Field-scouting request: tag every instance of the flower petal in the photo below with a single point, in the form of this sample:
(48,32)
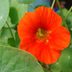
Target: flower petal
(60,38)
(27,42)
(33,48)
(49,18)
(27,25)
(41,51)
(50,56)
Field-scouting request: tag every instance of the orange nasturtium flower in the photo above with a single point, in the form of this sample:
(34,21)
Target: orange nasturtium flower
(42,35)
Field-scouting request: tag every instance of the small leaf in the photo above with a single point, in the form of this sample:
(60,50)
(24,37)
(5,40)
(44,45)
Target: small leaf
(11,42)
(10,24)
(14,60)
(5,34)
(17,11)
(14,42)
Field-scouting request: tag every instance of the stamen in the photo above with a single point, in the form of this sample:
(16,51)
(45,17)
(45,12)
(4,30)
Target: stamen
(41,33)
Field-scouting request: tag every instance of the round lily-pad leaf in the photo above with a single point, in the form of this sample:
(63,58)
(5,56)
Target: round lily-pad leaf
(14,60)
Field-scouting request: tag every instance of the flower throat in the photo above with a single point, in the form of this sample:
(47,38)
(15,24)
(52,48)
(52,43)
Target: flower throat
(41,33)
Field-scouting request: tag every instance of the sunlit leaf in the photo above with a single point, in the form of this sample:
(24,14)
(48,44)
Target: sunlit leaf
(4,11)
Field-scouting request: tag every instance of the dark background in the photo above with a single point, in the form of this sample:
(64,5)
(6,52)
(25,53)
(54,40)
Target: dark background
(68,3)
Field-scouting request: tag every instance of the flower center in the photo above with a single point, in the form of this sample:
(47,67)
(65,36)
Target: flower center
(41,33)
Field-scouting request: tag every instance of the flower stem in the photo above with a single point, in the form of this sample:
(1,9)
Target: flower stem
(68,13)
(46,67)
(53,4)
(57,1)
(10,30)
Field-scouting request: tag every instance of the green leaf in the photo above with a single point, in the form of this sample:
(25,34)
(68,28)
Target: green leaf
(14,60)
(56,67)
(17,11)
(6,37)
(10,24)
(68,20)
(4,11)
(64,64)
(5,34)
(26,1)
(12,42)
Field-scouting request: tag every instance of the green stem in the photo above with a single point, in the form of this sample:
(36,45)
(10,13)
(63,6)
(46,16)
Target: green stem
(57,1)
(53,4)
(46,67)
(68,13)
(10,30)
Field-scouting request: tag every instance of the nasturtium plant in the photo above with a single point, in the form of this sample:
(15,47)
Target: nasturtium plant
(23,25)
(14,60)
(4,12)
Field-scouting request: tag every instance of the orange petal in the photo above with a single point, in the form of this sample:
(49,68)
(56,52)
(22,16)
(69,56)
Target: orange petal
(60,38)
(27,42)
(48,17)
(50,56)
(42,52)
(27,25)
(33,48)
